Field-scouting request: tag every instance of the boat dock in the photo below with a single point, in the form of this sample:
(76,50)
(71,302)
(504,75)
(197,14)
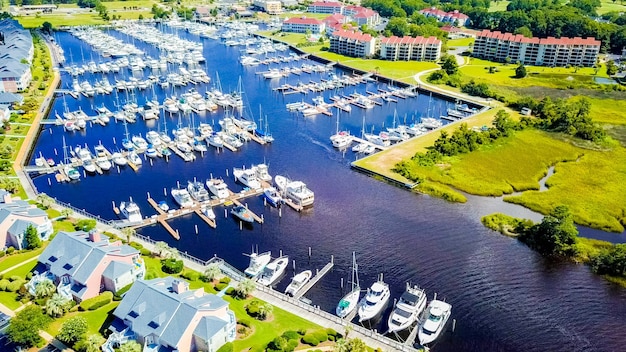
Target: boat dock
(315,279)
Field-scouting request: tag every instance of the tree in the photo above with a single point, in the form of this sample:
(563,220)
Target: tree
(45,200)
(525,31)
(611,68)
(128,233)
(130,346)
(212,271)
(45,288)
(46,27)
(161,247)
(66,212)
(244,288)
(57,305)
(31,235)
(554,236)
(449,64)
(91,344)
(520,71)
(85,225)
(24,327)
(72,330)
(264,310)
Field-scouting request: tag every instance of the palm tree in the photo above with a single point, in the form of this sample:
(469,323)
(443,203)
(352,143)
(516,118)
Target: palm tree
(245,287)
(45,288)
(212,271)
(161,247)
(341,346)
(130,346)
(45,200)
(66,212)
(91,344)
(128,232)
(265,310)
(172,253)
(56,305)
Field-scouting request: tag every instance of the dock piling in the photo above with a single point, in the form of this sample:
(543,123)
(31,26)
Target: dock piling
(453,325)
(55,152)
(196,226)
(341,284)
(49,182)
(114,142)
(240,225)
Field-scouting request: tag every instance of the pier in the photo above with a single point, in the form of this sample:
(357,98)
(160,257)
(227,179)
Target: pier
(315,279)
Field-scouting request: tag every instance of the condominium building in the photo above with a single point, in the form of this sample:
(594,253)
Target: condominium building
(326,7)
(16,54)
(455,17)
(272,7)
(362,15)
(302,24)
(409,48)
(498,46)
(352,43)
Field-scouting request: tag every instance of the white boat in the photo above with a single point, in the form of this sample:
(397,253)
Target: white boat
(272,196)
(262,172)
(297,191)
(182,197)
(258,261)
(102,159)
(374,301)
(349,302)
(297,282)
(341,139)
(215,140)
(360,148)
(247,177)
(207,210)
(131,211)
(408,308)
(272,272)
(197,191)
(218,188)
(164,206)
(431,328)
(134,158)
(140,143)
(119,159)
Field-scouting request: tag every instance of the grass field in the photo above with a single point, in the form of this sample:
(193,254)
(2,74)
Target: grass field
(460,42)
(58,20)
(498,5)
(609,5)
(15,259)
(95,319)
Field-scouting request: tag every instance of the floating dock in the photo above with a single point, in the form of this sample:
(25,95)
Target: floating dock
(315,279)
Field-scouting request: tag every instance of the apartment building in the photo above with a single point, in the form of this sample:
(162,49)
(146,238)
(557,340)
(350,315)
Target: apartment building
(351,43)
(302,24)
(272,7)
(409,48)
(326,7)
(554,52)
(455,17)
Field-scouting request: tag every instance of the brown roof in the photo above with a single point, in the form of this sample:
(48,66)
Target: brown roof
(518,38)
(354,35)
(327,3)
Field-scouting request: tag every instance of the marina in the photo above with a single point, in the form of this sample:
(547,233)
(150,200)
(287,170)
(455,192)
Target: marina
(351,211)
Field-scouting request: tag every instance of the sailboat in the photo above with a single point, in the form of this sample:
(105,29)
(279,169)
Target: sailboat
(70,170)
(349,302)
(341,139)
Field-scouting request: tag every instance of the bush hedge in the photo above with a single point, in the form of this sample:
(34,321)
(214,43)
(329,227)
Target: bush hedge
(310,339)
(291,335)
(220,286)
(3,284)
(14,286)
(230,291)
(96,302)
(245,322)
(15,278)
(225,280)
(191,275)
(320,335)
(172,266)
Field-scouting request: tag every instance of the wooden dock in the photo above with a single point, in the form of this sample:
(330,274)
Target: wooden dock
(205,218)
(315,279)
(256,217)
(155,206)
(292,204)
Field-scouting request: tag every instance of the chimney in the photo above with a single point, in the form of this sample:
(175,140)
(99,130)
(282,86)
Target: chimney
(179,286)
(94,236)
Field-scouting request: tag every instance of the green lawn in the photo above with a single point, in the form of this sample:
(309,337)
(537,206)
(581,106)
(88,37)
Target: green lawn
(22,270)
(498,5)
(11,260)
(610,5)
(460,42)
(58,20)
(9,299)
(95,319)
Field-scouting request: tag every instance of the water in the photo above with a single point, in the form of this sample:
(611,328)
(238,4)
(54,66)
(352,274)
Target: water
(505,297)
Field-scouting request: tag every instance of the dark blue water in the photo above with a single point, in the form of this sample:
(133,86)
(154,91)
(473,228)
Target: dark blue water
(505,297)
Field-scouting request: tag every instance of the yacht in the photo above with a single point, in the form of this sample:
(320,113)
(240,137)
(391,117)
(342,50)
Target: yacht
(297,191)
(218,188)
(131,211)
(215,140)
(297,282)
(134,158)
(262,172)
(258,261)
(273,271)
(374,301)
(140,143)
(408,308)
(197,191)
(102,160)
(207,210)
(151,151)
(119,159)
(164,206)
(182,197)
(431,328)
(349,302)
(247,177)
(71,172)
(341,139)
(272,196)
(242,213)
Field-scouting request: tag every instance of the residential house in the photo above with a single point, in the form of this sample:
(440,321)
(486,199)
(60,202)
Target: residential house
(334,22)
(554,52)
(362,15)
(410,48)
(164,314)
(15,217)
(326,7)
(455,17)
(352,43)
(7,98)
(303,24)
(85,264)
(16,55)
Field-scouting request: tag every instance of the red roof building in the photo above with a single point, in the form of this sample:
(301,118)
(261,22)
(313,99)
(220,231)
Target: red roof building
(498,46)
(455,17)
(362,15)
(352,43)
(302,24)
(410,48)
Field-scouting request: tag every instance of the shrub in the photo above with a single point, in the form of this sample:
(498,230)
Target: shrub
(332,332)
(2,254)
(257,348)
(310,339)
(136,245)
(245,322)
(3,284)
(191,275)
(230,291)
(252,308)
(320,335)
(96,302)
(225,280)
(145,252)
(118,295)
(29,276)
(227,347)
(172,266)
(302,332)
(14,286)
(220,286)
(15,278)
(10,250)
(291,335)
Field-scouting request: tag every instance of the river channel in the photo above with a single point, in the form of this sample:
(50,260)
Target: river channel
(505,297)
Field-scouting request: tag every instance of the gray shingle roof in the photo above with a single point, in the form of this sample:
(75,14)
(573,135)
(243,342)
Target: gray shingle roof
(153,307)
(208,327)
(72,253)
(116,269)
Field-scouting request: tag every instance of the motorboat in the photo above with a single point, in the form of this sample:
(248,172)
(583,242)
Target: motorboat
(119,159)
(128,144)
(151,151)
(197,191)
(85,157)
(273,271)
(374,301)
(215,140)
(130,211)
(341,139)
(360,148)
(297,282)
(258,261)
(72,172)
(262,172)
(272,196)
(134,158)
(102,159)
(207,210)
(163,206)
(182,197)
(348,303)
(218,188)
(247,177)
(431,328)
(242,213)
(140,143)
(297,191)
(407,309)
